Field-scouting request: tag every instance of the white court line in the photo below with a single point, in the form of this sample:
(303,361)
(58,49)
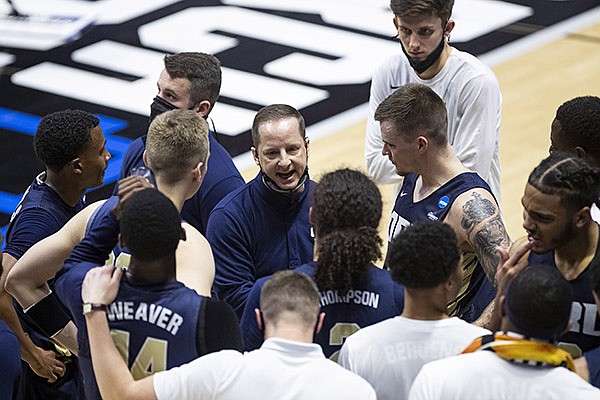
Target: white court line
(497,56)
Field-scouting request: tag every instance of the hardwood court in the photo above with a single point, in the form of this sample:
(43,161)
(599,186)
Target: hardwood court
(533,85)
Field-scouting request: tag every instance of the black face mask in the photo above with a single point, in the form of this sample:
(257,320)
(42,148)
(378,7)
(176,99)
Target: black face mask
(159,106)
(292,194)
(421,66)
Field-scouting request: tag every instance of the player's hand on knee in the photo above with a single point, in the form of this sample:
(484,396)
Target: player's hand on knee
(45,364)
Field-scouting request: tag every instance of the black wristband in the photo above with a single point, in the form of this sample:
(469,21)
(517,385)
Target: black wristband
(49,315)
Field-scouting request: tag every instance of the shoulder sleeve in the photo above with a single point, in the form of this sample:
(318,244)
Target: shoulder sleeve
(253,336)
(422,387)
(478,133)
(101,236)
(234,269)
(220,329)
(196,380)
(29,228)
(378,165)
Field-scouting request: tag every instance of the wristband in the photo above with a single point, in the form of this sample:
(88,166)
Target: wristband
(90,307)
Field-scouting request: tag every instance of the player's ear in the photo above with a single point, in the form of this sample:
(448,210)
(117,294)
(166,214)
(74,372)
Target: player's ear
(583,216)
(422,144)
(259,319)
(76,166)
(199,171)
(319,325)
(449,27)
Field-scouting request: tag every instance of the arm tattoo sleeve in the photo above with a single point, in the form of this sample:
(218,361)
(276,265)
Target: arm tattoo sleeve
(485,229)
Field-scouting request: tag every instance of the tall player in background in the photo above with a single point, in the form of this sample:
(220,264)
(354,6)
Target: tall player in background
(469,89)
(192,81)
(354,293)
(71,145)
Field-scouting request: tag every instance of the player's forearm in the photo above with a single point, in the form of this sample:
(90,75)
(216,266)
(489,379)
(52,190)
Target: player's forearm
(113,378)
(26,281)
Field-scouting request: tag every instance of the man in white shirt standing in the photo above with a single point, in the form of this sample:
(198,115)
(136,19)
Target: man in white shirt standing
(287,366)
(469,89)
(522,361)
(425,258)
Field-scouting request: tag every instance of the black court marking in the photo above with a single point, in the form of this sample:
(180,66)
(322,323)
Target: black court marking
(18,165)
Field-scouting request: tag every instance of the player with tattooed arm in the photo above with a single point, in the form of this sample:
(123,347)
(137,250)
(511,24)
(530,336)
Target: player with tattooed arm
(438,187)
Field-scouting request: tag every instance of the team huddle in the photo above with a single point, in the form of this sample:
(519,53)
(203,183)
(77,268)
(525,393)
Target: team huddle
(190,283)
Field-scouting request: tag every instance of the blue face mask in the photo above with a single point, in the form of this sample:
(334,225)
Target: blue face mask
(159,106)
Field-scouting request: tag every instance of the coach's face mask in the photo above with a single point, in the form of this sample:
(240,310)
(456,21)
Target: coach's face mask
(159,106)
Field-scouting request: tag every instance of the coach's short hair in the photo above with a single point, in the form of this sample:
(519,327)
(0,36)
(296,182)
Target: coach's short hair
(150,225)
(415,110)
(569,177)
(63,136)
(275,112)
(201,69)
(290,296)
(538,302)
(177,140)
(423,255)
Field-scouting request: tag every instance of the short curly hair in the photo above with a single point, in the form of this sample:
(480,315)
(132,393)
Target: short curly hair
(62,136)
(579,120)
(423,255)
(150,225)
(538,302)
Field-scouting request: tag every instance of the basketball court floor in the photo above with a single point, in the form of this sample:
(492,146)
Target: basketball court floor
(316,56)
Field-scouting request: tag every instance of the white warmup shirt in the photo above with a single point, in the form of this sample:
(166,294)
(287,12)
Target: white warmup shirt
(484,375)
(280,369)
(472,96)
(390,353)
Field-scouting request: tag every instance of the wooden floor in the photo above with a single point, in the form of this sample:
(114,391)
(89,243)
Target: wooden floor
(533,86)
